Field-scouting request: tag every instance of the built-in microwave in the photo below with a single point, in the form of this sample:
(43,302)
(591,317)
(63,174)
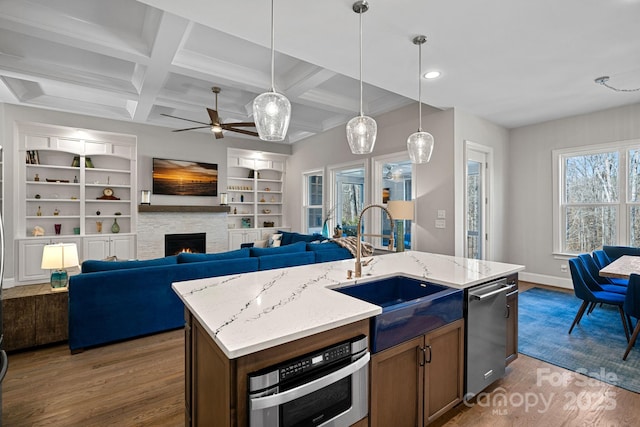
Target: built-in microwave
(328,388)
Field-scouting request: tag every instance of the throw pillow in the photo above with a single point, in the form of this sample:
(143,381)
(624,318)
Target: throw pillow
(261,243)
(275,240)
(238,253)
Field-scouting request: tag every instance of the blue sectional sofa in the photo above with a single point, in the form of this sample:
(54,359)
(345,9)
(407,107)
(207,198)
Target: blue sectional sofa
(112,301)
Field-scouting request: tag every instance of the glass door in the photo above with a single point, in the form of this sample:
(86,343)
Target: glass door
(476,197)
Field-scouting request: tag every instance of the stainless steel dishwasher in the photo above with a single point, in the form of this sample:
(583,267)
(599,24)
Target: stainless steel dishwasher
(486,328)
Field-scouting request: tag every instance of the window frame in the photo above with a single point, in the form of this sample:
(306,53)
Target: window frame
(306,206)
(623,204)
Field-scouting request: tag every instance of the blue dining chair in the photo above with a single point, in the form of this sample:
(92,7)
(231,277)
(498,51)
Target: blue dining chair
(593,274)
(602,260)
(590,294)
(632,309)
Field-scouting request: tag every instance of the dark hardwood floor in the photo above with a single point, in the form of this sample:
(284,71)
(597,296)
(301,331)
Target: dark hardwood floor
(141,383)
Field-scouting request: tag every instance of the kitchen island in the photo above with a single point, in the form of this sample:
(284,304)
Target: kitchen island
(251,320)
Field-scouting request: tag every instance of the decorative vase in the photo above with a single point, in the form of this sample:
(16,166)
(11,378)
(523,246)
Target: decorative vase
(115,228)
(325,230)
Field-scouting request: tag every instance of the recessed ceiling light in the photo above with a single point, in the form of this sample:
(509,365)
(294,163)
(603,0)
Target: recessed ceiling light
(432,75)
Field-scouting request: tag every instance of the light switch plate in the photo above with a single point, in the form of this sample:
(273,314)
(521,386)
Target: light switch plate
(442,214)
(441,223)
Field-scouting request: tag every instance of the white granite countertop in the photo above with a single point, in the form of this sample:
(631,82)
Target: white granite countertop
(246,313)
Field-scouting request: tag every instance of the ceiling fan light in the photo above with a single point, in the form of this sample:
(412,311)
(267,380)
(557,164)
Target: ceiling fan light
(216,128)
(420,147)
(361,134)
(271,112)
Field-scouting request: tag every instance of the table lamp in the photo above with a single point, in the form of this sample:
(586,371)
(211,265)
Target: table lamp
(58,257)
(401,210)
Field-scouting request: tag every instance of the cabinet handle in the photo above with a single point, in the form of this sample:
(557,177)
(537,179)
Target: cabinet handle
(429,359)
(421,355)
(508,312)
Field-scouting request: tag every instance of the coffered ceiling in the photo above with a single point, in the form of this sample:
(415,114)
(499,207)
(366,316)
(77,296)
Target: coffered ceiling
(512,62)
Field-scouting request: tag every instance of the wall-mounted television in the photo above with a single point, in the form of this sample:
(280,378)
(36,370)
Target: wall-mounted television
(184,178)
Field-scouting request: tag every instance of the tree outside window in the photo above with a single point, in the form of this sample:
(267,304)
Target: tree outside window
(599,199)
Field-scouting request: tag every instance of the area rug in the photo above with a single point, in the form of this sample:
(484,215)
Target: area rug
(595,346)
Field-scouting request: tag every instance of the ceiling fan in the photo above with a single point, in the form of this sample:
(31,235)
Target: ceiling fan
(216,126)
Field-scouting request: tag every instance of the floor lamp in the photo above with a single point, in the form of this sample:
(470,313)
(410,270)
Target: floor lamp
(401,210)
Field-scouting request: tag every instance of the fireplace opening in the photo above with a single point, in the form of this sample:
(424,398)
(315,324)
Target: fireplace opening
(191,242)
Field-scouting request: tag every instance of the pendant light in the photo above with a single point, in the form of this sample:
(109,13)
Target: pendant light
(420,144)
(361,130)
(271,110)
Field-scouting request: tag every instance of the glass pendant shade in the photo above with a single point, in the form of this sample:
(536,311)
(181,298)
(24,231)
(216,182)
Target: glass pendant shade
(420,147)
(271,113)
(361,134)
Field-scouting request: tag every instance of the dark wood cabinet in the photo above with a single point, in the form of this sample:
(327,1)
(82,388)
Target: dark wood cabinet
(34,315)
(216,386)
(512,320)
(415,382)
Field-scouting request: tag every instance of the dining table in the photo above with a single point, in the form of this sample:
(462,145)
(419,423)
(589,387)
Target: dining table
(622,267)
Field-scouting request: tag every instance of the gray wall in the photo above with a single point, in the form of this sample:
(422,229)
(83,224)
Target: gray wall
(436,182)
(153,141)
(530,182)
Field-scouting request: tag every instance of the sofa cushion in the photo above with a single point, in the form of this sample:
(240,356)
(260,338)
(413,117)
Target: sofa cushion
(322,246)
(92,266)
(187,257)
(332,255)
(292,237)
(287,249)
(269,262)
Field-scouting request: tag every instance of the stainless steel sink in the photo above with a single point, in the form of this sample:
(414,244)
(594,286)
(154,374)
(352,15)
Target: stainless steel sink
(410,308)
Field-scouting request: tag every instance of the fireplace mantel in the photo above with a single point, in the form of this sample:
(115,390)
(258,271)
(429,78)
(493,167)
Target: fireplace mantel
(180,208)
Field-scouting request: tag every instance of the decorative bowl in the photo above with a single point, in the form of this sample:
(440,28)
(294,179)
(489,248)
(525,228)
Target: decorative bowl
(267,211)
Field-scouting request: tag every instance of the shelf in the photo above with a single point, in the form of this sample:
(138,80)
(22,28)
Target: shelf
(176,208)
(104,184)
(53,183)
(54,200)
(107,170)
(110,216)
(53,217)
(41,166)
(107,201)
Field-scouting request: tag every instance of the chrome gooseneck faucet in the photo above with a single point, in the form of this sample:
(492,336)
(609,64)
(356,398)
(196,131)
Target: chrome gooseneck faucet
(358,267)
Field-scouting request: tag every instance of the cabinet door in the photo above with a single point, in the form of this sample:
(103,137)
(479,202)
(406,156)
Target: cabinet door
(235,239)
(444,375)
(122,247)
(397,385)
(30,260)
(96,247)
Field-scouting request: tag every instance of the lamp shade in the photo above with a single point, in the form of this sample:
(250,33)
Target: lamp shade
(401,209)
(271,113)
(361,134)
(60,256)
(420,147)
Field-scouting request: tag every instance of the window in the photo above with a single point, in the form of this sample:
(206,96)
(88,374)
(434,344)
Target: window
(312,207)
(598,203)
(347,198)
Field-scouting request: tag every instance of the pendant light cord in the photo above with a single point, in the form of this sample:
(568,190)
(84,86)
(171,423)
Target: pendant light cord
(273,55)
(361,109)
(419,87)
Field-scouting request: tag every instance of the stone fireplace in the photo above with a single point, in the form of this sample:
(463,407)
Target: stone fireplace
(157,220)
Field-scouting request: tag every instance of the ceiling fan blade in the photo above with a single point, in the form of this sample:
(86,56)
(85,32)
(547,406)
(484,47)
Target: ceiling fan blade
(245,132)
(213,115)
(182,130)
(240,124)
(181,118)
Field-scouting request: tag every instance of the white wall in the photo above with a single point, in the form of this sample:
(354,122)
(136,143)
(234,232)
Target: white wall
(474,129)
(529,222)
(153,141)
